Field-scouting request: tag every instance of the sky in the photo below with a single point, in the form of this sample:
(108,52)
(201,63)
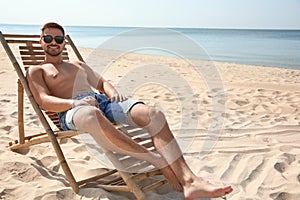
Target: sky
(260,14)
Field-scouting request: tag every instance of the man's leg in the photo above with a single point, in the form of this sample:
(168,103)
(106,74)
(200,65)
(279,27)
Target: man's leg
(91,120)
(154,121)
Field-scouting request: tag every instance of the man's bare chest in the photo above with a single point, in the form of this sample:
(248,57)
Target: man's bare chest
(58,77)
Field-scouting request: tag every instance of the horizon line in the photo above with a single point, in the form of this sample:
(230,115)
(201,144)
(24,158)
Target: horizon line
(171,27)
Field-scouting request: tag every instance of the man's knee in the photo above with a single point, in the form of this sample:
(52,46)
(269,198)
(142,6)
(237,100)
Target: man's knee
(157,120)
(146,116)
(156,115)
(87,115)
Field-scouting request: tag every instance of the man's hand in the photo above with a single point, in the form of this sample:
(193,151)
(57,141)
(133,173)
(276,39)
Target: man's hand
(86,101)
(117,97)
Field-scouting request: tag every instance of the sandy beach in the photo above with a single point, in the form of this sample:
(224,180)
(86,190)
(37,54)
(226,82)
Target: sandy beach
(237,124)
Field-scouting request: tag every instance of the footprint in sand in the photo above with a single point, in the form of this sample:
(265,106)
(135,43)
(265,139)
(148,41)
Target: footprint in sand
(284,196)
(288,160)
(5,100)
(242,102)
(7,128)
(280,166)
(14,115)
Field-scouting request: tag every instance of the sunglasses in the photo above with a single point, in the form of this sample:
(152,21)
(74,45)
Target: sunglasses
(49,39)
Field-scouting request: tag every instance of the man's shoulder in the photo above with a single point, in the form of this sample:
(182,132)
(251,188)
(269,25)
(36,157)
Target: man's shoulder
(34,68)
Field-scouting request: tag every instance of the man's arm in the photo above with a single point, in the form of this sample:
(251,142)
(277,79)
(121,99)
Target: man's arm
(102,85)
(42,94)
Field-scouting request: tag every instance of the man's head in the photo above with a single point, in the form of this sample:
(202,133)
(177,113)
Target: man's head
(52,25)
(52,38)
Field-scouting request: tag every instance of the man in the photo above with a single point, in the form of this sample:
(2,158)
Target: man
(54,87)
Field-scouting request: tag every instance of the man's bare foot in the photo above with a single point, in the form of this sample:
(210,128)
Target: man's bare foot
(203,189)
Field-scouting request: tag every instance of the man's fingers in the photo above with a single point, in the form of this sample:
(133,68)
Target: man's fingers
(118,98)
(90,101)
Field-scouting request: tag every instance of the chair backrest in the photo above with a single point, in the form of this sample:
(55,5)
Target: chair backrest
(31,53)
(31,50)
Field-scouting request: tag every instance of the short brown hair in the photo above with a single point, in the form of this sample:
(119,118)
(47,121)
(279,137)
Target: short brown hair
(53,25)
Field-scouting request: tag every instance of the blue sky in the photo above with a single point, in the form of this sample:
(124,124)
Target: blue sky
(269,14)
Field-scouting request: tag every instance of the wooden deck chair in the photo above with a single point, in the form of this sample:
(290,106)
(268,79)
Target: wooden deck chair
(31,53)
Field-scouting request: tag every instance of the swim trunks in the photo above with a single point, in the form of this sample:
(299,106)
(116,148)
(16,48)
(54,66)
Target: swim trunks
(116,112)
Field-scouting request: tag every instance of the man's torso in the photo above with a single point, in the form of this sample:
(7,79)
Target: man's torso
(65,80)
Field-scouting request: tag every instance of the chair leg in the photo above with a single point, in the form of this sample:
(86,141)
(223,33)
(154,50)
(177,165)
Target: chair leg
(63,163)
(21,112)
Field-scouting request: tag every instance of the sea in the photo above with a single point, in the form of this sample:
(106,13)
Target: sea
(273,48)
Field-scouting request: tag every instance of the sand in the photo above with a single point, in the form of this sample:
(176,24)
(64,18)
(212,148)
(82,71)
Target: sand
(240,126)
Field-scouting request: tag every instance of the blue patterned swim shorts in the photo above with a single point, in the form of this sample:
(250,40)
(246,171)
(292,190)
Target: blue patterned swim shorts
(114,111)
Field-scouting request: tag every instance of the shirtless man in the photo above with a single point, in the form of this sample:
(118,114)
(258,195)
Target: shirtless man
(54,87)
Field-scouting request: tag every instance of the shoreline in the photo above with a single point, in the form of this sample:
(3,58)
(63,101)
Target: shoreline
(89,49)
(252,46)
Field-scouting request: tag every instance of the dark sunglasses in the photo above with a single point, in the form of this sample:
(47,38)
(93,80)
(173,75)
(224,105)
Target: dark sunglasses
(49,38)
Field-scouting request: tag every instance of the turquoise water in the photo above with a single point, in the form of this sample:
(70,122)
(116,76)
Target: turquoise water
(277,48)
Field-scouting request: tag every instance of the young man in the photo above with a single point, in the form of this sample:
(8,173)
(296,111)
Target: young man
(54,87)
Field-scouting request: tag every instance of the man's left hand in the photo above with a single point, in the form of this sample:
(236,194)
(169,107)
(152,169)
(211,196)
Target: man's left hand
(117,97)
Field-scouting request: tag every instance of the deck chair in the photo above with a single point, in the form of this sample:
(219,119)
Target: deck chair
(30,53)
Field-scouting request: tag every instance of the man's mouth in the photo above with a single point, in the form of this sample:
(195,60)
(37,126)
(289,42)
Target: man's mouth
(53,47)
(53,50)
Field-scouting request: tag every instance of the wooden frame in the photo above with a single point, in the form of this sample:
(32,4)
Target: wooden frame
(32,54)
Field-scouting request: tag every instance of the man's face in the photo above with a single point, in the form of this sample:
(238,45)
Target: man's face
(52,47)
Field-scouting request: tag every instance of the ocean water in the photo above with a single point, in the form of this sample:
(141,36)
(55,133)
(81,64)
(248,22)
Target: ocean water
(275,48)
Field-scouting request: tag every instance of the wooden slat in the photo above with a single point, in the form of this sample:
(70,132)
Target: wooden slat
(144,175)
(154,185)
(138,167)
(42,140)
(54,118)
(32,63)
(137,132)
(28,63)
(38,53)
(57,124)
(22,41)
(131,162)
(147,144)
(31,47)
(143,137)
(51,114)
(35,48)
(39,59)
(33,58)
(21,36)
(66,58)
(117,188)
(31,53)
(116,181)
(95,178)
